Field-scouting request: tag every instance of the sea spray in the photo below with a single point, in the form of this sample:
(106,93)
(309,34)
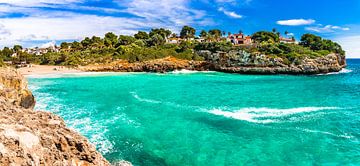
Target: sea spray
(266,115)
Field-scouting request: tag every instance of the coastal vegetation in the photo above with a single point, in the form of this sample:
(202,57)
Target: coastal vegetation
(156,44)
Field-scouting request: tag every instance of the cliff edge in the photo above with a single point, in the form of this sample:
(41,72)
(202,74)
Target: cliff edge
(30,137)
(257,63)
(235,61)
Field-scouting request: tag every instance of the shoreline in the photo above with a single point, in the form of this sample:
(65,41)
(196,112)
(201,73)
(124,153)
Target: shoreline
(47,69)
(55,71)
(80,73)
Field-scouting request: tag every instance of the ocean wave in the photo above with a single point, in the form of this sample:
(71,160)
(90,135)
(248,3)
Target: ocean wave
(80,120)
(266,115)
(343,71)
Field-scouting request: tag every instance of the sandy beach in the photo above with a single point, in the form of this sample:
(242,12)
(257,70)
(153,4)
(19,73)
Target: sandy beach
(47,69)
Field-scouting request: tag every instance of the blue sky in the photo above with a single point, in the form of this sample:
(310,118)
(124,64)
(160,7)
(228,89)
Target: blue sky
(43,22)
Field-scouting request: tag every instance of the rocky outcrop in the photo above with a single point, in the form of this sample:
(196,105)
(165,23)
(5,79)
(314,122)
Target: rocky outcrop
(243,62)
(230,62)
(157,65)
(30,137)
(13,87)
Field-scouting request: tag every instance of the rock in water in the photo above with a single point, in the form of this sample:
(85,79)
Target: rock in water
(30,137)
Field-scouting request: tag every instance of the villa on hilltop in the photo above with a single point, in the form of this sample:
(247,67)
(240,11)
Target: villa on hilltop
(287,40)
(239,39)
(235,39)
(41,51)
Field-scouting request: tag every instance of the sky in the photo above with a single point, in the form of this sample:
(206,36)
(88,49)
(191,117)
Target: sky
(44,22)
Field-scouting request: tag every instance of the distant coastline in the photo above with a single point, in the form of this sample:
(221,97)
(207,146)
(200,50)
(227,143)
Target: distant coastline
(160,50)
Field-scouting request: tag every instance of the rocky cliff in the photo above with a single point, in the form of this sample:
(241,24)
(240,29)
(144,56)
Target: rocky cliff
(13,87)
(243,62)
(157,65)
(231,62)
(30,137)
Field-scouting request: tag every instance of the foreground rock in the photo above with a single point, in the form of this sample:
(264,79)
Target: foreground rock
(14,88)
(30,137)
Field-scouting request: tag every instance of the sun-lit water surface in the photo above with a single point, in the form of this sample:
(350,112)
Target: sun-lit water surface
(211,118)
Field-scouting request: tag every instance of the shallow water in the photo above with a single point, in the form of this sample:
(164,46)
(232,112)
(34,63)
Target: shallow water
(210,118)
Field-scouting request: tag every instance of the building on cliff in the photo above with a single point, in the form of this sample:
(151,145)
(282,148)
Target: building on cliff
(239,39)
(288,40)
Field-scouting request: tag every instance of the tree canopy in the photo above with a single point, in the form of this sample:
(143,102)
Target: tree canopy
(141,35)
(316,43)
(264,36)
(187,32)
(145,46)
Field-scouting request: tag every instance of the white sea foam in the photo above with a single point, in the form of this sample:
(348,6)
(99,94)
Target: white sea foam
(184,71)
(266,115)
(167,103)
(96,130)
(347,136)
(343,71)
(136,96)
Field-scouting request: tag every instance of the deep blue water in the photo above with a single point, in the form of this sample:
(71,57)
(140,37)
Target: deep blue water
(212,119)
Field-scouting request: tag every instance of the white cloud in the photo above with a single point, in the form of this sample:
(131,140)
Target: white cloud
(46,25)
(230,13)
(49,44)
(39,3)
(235,2)
(351,45)
(171,13)
(326,29)
(290,34)
(296,22)
(71,27)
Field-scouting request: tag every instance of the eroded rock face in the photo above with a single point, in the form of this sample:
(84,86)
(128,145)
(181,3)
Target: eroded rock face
(243,62)
(14,88)
(157,65)
(30,137)
(231,62)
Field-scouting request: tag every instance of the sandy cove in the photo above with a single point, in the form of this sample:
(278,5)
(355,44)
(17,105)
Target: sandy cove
(47,69)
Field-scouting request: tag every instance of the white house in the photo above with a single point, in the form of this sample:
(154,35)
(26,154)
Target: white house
(239,39)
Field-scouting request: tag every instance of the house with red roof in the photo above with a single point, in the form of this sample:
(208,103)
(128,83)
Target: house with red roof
(239,39)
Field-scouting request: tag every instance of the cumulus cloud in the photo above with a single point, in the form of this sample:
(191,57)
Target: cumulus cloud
(71,27)
(41,24)
(38,3)
(230,13)
(326,29)
(296,22)
(170,12)
(290,34)
(234,2)
(351,45)
(48,44)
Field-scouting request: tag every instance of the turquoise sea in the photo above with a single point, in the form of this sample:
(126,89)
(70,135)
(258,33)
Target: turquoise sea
(211,118)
